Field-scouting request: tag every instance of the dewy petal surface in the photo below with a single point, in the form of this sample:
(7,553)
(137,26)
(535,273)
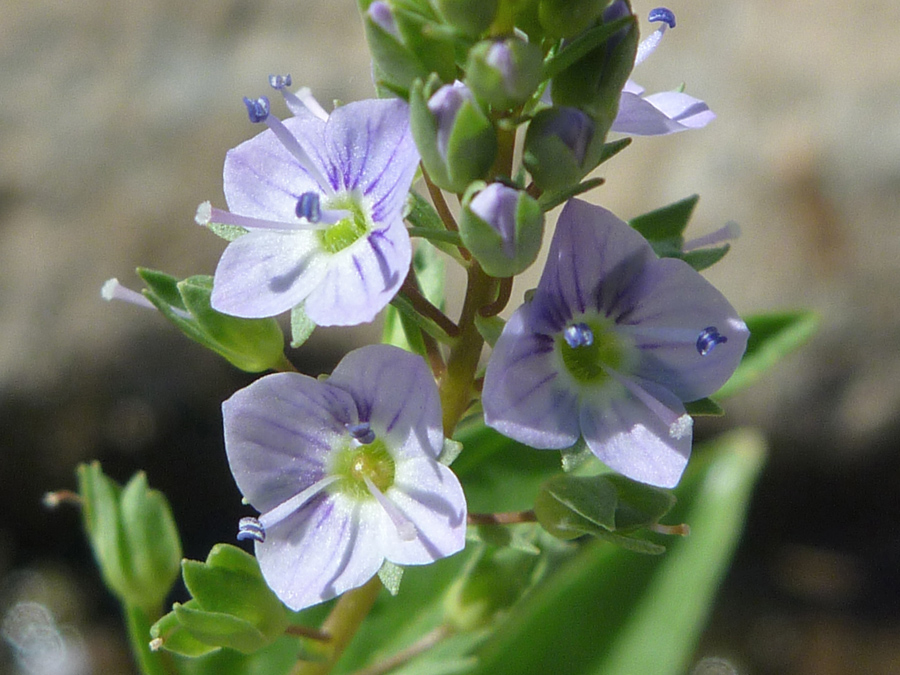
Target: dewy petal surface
(395,392)
(278,433)
(524,396)
(629,438)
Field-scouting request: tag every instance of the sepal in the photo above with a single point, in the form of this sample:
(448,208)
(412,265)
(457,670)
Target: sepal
(504,73)
(470,17)
(133,535)
(253,345)
(231,606)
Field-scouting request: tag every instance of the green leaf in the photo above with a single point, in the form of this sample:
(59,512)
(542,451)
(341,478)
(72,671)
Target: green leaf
(664,227)
(609,612)
(772,337)
(172,636)
(224,630)
(583,45)
(550,200)
(421,214)
(489,327)
(705,257)
(163,285)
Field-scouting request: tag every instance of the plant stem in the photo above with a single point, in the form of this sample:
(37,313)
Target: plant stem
(440,204)
(149,662)
(503,295)
(424,643)
(504,518)
(343,622)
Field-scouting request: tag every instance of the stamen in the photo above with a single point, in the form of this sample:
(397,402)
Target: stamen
(578,335)
(308,207)
(113,290)
(708,339)
(405,527)
(274,516)
(300,103)
(666,18)
(730,230)
(258,111)
(206,214)
(679,425)
(251,528)
(362,432)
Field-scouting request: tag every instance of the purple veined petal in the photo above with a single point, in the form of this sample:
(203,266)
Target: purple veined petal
(524,396)
(373,151)
(676,305)
(323,550)
(660,114)
(279,432)
(395,392)
(429,495)
(593,258)
(361,279)
(631,439)
(263,274)
(261,179)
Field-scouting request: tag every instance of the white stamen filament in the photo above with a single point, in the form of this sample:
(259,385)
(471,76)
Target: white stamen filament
(731,230)
(276,515)
(405,528)
(305,98)
(113,290)
(679,425)
(292,145)
(206,214)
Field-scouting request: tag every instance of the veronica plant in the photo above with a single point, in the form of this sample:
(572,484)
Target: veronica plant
(606,361)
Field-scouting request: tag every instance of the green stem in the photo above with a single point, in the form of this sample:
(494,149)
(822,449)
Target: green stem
(435,235)
(457,386)
(149,662)
(343,622)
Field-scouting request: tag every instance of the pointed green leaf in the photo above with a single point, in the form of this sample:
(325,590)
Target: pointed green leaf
(664,227)
(224,630)
(704,407)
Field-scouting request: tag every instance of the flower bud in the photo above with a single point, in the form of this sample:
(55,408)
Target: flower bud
(456,140)
(133,536)
(471,17)
(403,45)
(561,147)
(504,73)
(567,18)
(502,227)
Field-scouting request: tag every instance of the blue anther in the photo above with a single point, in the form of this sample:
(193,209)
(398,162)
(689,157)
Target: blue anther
(251,528)
(362,432)
(662,14)
(708,339)
(308,207)
(578,335)
(279,82)
(257,110)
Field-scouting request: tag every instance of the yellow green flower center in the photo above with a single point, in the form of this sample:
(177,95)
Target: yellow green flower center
(356,462)
(588,347)
(347,231)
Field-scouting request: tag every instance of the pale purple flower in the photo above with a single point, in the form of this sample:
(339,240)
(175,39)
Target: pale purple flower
(344,472)
(321,198)
(663,113)
(612,344)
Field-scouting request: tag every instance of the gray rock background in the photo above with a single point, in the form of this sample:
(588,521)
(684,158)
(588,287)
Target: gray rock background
(114,121)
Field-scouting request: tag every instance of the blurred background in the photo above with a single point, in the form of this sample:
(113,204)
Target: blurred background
(114,121)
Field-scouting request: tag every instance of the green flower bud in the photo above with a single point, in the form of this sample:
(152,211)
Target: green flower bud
(403,44)
(504,73)
(456,140)
(561,147)
(489,585)
(502,227)
(231,606)
(567,18)
(133,536)
(471,17)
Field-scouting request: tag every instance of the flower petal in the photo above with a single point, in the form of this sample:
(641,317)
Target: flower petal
(278,432)
(659,114)
(261,179)
(373,152)
(362,279)
(524,398)
(593,258)
(676,305)
(430,496)
(323,550)
(631,439)
(395,392)
(266,273)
